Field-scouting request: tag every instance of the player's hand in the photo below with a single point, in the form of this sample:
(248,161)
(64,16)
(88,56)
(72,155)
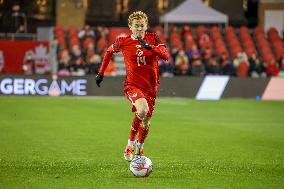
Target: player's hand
(99,79)
(144,44)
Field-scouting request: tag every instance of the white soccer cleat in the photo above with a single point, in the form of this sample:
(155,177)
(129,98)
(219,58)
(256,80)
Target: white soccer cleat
(128,156)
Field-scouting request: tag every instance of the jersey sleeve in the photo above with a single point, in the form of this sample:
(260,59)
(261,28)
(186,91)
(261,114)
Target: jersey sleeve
(160,49)
(114,48)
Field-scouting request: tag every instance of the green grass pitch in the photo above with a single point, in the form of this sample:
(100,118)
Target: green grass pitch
(69,142)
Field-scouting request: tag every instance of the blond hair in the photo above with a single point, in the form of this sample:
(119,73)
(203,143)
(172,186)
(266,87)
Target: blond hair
(137,15)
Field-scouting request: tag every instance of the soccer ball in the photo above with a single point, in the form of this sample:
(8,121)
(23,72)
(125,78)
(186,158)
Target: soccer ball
(141,166)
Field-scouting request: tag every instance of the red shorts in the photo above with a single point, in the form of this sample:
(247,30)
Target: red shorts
(132,94)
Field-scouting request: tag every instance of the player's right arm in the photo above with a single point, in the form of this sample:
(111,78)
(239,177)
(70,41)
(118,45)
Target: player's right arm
(114,48)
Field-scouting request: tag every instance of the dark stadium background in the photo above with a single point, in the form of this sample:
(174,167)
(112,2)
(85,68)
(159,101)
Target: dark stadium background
(43,12)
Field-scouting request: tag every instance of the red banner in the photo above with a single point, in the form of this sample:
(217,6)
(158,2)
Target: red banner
(13,55)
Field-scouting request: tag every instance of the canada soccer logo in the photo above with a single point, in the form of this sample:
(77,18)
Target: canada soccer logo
(41,60)
(139,52)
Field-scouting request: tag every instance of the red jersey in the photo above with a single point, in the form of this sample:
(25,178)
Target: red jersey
(141,64)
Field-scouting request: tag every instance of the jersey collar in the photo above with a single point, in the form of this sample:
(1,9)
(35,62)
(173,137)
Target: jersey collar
(132,37)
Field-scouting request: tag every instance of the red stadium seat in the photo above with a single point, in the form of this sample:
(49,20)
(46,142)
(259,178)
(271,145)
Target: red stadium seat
(102,45)
(218,41)
(276,42)
(263,45)
(233,41)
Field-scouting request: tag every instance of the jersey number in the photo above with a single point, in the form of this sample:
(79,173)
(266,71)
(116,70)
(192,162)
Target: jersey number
(141,60)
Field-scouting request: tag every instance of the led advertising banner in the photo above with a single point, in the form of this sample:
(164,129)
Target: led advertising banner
(212,88)
(208,88)
(274,90)
(42,86)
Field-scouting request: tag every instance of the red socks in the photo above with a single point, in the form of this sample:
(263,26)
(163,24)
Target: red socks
(137,128)
(136,123)
(143,132)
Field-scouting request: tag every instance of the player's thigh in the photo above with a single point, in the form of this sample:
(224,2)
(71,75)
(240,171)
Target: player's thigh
(141,106)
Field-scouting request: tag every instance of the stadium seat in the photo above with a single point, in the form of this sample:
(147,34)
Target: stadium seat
(276,42)
(233,41)
(218,41)
(263,45)
(102,45)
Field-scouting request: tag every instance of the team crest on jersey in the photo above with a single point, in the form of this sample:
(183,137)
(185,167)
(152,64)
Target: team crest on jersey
(139,52)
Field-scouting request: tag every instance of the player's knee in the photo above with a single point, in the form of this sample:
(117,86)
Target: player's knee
(143,111)
(142,107)
(142,114)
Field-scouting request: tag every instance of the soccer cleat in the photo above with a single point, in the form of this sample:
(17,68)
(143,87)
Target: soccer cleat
(128,156)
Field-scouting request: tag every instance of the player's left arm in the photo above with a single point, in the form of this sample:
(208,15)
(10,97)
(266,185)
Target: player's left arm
(158,47)
(161,51)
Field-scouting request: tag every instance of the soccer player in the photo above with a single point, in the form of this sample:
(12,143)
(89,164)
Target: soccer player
(141,51)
